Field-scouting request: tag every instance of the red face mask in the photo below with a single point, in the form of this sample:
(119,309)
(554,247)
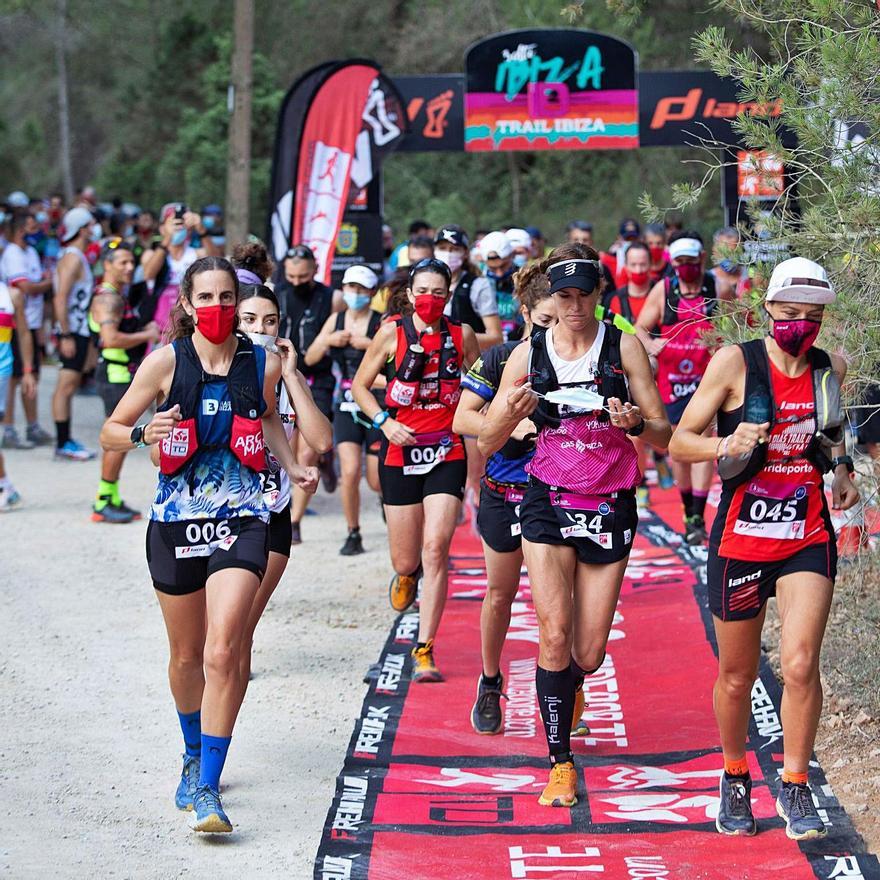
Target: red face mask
(689,272)
(638,278)
(215,323)
(656,253)
(796,337)
(429,308)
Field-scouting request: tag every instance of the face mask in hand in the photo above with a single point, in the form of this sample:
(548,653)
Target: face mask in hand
(264,340)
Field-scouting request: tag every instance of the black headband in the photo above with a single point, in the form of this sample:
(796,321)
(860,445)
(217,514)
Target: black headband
(583,274)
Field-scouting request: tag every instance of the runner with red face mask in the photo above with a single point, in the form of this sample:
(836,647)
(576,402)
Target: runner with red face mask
(780,428)
(680,309)
(422,466)
(207,542)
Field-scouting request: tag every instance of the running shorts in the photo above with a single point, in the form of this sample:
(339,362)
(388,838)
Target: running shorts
(183,555)
(110,392)
(347,430)
(322,387)
(675,410)
(738,588)
(280,532)
(17,366)
(446,478)
(498,517)
(600,528)
(78,361)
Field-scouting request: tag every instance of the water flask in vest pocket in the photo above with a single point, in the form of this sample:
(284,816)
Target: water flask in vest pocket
(403,388)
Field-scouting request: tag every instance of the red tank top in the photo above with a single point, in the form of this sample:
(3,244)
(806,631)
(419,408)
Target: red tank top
(427,416)
(682,362)
(636,304)
(780,510)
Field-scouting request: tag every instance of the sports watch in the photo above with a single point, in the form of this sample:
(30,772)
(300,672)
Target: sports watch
(137,436)
(635,430)
(843,459)
(380,418)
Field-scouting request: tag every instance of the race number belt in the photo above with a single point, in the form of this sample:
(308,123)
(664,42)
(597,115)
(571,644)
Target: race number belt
(429,451)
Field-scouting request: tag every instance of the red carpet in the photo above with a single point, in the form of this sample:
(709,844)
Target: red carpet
(422,796)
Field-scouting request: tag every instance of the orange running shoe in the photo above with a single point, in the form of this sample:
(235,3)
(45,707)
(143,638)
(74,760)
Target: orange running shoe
(424,668)
(402,589)
(561,790)
(578,725)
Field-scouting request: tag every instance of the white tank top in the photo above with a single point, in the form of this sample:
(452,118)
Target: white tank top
(581,370)
(276,489)
(80,296)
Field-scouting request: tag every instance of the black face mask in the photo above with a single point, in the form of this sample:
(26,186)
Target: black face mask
(388,252)
(304,290)
(536,328)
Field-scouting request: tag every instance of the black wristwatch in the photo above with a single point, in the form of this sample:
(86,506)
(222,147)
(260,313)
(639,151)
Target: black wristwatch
(137,436)
(843,459)
(635,430)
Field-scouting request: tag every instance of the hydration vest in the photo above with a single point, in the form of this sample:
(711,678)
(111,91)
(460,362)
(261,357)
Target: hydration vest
(759,406)
(462,308)
(245,439)
(349,358)
(610,378)
(674,296)
(405,385)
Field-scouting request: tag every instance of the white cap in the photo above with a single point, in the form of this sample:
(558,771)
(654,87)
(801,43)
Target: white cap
(73,221)
(496,243)
(800,280)
(519,238)
(362,275)
(17,199)
(685,247)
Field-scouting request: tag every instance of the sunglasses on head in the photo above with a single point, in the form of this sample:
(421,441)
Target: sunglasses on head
(430,264)
(300,252)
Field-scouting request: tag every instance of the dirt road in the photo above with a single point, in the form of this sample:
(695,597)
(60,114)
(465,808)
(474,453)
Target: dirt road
(91,746)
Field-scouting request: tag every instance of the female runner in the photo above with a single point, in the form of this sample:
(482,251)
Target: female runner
(780,428)
(258,316)
(578,515)
(422,466)
(207,541)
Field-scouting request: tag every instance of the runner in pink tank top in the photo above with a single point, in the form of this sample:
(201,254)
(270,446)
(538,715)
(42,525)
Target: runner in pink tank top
(586,387)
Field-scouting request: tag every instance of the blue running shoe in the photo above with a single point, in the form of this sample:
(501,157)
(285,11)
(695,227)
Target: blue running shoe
(74,451)
(795,805)
(189,781)
(735,806)
(209,816)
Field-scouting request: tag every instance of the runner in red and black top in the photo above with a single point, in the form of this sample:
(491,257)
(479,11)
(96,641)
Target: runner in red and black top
(780,427)
(655,239)
(680,308)
(422,465)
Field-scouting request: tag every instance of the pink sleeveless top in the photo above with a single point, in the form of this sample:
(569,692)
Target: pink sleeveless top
(584,454)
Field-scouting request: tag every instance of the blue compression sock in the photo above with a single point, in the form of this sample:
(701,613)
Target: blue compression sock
(191,726)
(214,749)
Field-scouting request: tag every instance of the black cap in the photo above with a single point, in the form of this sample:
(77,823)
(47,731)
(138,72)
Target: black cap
(451,234)
(583,274)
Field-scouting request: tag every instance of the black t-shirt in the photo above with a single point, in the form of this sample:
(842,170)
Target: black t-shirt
(302,319)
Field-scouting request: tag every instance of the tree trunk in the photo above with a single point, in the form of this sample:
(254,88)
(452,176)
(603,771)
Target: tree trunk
(238,172)
(64,158)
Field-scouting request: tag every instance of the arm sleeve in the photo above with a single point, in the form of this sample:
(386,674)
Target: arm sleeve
(483,297)
(484,376)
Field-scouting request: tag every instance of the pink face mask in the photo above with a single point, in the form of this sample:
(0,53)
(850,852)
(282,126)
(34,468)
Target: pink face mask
(689,272)
(795,337)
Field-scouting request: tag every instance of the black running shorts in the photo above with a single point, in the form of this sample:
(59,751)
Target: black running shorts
(109,392)
(347,430)
(17,365)
(601,532)
(279,532)
(78,361)
(498,518)
(739,588)
(183,555)
(446,478)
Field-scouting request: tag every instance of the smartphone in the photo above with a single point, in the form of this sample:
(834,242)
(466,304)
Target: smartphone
(179,211)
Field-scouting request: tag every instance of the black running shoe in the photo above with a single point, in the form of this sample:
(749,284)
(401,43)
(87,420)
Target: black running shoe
(694,530)
(353,544)
(795,805)
(486,717)
(735,808)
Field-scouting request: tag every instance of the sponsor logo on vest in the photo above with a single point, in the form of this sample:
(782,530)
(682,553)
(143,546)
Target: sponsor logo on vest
(176,444)
(371,732)
(350,812)
(250,444)
(211,407)
(402,394)
(735,582)
(389,677)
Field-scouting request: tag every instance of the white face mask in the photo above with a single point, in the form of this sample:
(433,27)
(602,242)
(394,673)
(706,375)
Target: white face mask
(577,398)
(264,340)
(453,259)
